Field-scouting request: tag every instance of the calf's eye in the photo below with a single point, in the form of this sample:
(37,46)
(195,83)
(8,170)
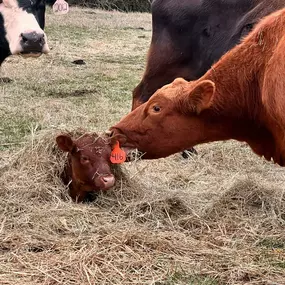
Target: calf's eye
(156,108)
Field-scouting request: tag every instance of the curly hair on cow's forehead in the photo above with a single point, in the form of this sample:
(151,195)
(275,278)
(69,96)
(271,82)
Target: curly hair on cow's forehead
(92,138)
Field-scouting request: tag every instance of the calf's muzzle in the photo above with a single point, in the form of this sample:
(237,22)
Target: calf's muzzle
(105,182)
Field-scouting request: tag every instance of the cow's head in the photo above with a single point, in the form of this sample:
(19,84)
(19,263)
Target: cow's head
(21,28)
(173,119)
(189,36)
(89,167)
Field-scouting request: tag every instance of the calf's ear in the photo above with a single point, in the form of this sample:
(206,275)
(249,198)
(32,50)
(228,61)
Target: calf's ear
(199,98)
(65,143)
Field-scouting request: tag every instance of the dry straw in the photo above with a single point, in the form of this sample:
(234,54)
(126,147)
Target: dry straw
(133,234)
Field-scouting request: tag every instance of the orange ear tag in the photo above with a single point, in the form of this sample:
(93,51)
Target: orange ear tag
(60,7)
(117,154)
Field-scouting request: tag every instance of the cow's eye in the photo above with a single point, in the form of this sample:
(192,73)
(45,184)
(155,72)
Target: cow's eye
(246,29)
(29,9)
(84,159)
(207,32)
(156,108)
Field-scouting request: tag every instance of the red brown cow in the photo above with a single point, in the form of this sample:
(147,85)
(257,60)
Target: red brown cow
(88,169)
(241,97)
(189,36)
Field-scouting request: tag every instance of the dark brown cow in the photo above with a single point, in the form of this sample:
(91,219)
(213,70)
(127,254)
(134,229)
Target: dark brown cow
(88,169)
(241,97)
(189,36)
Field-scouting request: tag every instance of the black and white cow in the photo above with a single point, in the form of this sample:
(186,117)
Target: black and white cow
(21,28)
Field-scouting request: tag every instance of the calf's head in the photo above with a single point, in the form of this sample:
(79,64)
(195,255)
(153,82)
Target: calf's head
(89,168)
(174,119)
(21,28)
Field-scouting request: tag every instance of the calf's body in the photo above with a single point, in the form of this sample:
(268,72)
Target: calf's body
(241,97)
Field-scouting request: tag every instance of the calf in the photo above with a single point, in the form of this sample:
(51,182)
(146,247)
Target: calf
(88,168)
(21,28)
(241,97)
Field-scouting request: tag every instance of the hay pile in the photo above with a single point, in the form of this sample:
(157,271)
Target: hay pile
(133,234)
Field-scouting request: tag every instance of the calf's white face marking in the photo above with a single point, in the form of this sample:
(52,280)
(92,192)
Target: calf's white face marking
(18,22)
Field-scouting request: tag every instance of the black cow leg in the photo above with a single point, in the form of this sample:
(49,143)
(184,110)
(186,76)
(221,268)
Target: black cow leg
(5,80)
(189,152)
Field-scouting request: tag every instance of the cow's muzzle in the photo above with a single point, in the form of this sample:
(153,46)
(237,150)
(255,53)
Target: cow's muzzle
(116,134)
(33,44)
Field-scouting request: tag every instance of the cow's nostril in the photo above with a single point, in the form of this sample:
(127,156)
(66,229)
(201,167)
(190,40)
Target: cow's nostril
(109,133)
(40,38)
(108,181)
(24,39)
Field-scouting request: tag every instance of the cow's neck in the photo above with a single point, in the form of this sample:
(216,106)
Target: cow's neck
(237,111)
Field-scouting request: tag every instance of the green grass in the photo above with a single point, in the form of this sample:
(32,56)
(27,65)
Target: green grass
(73,35)
(13,130)
(272,244)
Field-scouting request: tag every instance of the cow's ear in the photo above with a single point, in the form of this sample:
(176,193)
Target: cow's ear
(65,143)
(9,4)
(117,138)
(200,97)
(179,81)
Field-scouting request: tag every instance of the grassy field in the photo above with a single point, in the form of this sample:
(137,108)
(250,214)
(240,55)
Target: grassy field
(217,218)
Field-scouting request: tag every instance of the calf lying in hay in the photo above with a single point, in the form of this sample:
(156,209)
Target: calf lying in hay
(88,169)
(40,168)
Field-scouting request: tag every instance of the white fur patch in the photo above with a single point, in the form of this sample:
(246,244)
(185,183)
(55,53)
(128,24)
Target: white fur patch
(17,22)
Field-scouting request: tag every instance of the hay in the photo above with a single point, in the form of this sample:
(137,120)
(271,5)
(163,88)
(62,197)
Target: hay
(130,235)
(36,170)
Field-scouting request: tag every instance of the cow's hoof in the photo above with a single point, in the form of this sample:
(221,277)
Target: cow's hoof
(5,80)
(189,152)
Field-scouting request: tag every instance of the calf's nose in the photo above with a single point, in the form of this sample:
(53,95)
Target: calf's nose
(32,42)
(108,181)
